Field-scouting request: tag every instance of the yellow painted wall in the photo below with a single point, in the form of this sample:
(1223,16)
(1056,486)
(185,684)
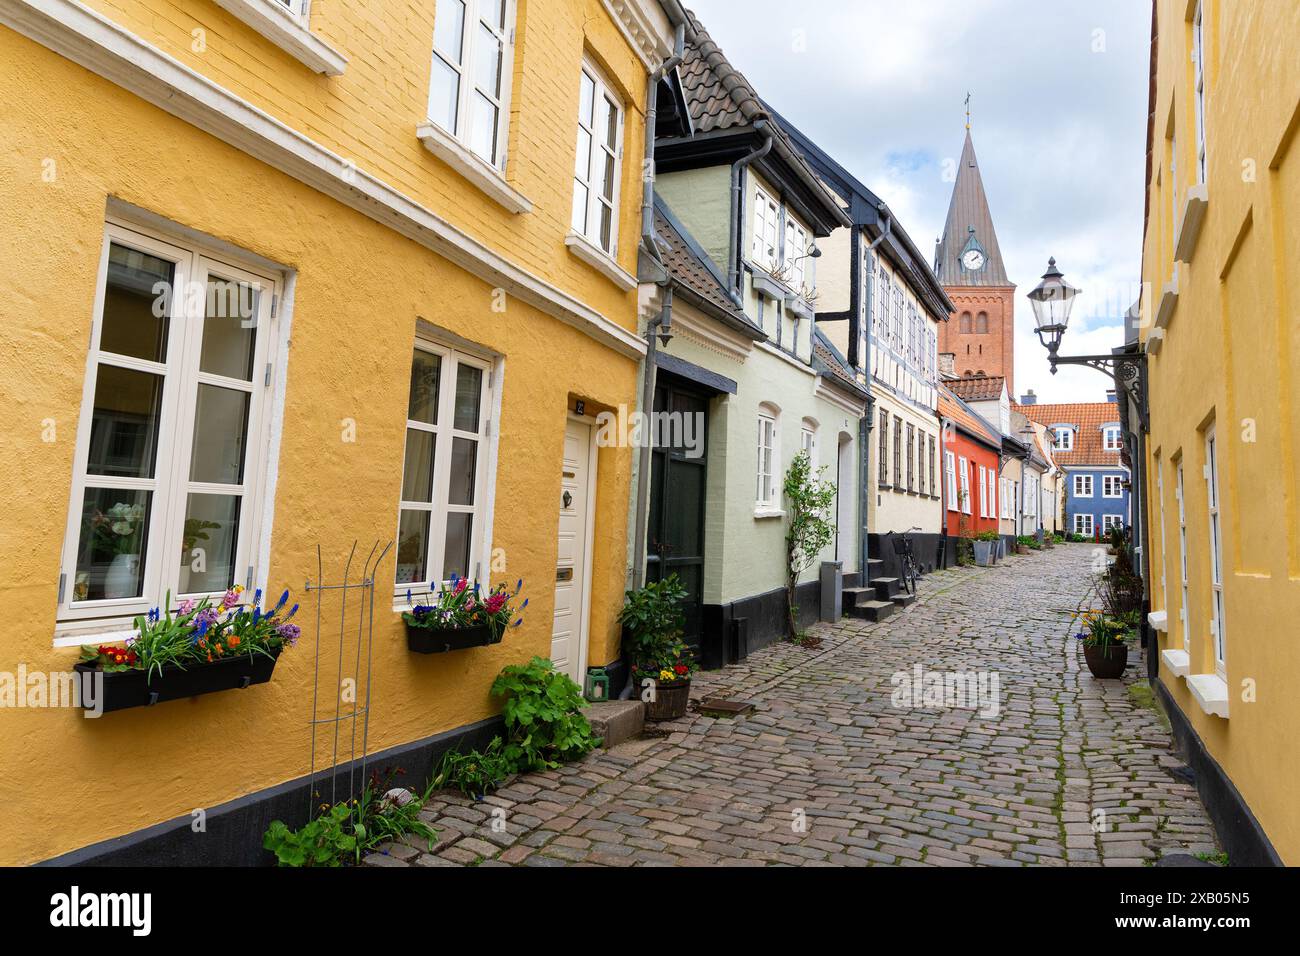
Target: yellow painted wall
(1230,357)
(68,781)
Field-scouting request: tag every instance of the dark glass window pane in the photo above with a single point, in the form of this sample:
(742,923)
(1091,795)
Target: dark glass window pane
(137,286)
(464,459)
(124,423)
(220,430)
(412,547)
(208,543)
(229,329)
(426,372)
(469,387)
(456,553)
(111,549)
(417,478)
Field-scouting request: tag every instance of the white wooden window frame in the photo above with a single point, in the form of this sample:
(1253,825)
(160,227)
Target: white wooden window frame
(1111,521)
(1082,482)
(1164,561)
(1184,614)
(808,442)
(765,248)
(464,66)
(171,486)
(1112,439)
(950,480)
(795,256)
(599,153)
(1064,439)
(768,460)
(1083,524)
(1198,87)
(445,433)
(963,472)
(993,493)
(1109,482)
(1218,623)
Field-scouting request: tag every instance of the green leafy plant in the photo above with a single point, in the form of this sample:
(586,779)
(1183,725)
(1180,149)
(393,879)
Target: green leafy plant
(345,832)
(810,500)
(543,714)
(965,551)
(475,773)
(987,536)
(653,619)
(1105,632)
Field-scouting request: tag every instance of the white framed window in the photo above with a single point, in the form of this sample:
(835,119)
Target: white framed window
(1064,439)
(297,7)
(963,472)
(767,230)
(768,459)
(1184,614)
(950,480)
(1083,525)
(992,489)
(808,441)
(1112,486)
(880,319)
(469,77)
(445,475)
(1218,627)
(1164,565)
(984,491)
(1111,438)
(1083,486)
(598,161)
(796,255)
(1111,521)
(1198,67)
(169,468)
(1005,489)
(898,334)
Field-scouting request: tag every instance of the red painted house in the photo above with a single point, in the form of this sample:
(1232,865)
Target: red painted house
(970,468)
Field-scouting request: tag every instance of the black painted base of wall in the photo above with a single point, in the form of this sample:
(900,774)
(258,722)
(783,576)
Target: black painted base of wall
(233,831)
(928,548)
(1239,832)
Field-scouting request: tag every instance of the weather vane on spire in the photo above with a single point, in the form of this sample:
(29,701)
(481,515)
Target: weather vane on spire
(968,109)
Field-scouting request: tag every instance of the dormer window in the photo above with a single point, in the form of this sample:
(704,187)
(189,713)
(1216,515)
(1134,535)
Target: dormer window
(1111,438)
(1064,438)
(767,230)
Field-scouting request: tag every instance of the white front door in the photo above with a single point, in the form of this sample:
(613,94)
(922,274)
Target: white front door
(572,568)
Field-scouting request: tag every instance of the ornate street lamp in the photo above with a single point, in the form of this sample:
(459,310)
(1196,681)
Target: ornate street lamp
(1052,300)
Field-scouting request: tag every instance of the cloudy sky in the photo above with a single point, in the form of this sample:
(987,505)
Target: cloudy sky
(1058,115)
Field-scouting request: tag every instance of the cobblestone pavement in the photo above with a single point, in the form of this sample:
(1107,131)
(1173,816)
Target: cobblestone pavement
(828,770)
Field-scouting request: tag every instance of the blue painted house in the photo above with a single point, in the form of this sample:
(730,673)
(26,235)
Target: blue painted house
(1089,449)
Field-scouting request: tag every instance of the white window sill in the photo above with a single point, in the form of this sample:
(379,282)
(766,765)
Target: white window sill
(1159,620)
(600,260)
(83,633)
(1198,199)
(1168,300)
(762,512)
(472,167)
(1176,662)
(1211,693)
(288,32)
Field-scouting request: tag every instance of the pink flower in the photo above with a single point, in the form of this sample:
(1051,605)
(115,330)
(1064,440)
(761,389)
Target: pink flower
(185,607)
(461,585)
(495,603)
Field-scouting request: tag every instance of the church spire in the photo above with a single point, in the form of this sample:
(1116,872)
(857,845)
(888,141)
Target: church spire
(968,254)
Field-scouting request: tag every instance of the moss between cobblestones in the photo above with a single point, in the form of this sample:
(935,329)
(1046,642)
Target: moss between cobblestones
(1145,697)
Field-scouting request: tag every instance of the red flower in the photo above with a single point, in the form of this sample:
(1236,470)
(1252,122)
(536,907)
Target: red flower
(681,668)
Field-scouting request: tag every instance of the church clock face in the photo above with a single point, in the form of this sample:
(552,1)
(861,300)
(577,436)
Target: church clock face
(973,260)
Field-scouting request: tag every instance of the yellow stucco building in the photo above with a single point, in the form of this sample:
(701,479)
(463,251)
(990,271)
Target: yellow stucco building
(431,282)
(1221,328)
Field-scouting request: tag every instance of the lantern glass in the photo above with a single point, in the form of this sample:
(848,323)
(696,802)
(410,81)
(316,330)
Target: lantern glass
(1052,301)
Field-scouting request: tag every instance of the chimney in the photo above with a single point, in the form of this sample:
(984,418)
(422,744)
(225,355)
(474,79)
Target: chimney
(1110,396)
(1029,398)
(948,364)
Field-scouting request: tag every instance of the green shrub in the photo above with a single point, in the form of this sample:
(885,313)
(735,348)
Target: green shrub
(475,773)
(543,713)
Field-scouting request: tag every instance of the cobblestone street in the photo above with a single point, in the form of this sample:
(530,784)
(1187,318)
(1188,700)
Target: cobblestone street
(828,770)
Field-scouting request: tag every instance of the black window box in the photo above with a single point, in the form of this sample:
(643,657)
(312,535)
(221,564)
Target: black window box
(439,640)
(134,688)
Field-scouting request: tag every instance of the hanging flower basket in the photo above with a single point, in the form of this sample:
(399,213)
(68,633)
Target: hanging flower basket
(124,689)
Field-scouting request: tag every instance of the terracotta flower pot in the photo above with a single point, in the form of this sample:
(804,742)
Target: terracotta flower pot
(669,701)
(1106,662)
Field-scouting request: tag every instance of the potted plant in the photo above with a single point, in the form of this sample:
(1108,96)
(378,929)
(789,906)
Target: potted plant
(117,532)
(459,616)
(986,548)
(1105,647)
(200,648)
(661,663)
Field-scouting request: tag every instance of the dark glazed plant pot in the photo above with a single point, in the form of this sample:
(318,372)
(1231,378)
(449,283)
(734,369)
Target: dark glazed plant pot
(670,701)
(133,688)
(438,640)
(1106,663)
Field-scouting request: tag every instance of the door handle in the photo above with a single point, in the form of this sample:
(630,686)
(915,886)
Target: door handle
(563,574)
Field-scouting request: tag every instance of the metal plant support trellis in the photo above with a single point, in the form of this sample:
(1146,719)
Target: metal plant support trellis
(364,591)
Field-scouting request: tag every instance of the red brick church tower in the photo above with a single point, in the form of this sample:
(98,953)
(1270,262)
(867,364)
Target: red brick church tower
(980,335)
